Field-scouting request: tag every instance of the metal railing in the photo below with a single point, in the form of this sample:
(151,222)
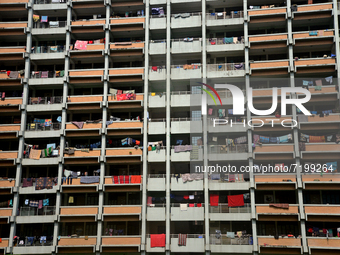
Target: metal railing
(157,120)
(185,202)
(225,15)
(185,119)
(229,119)
(49,24)
(36,242)
(188,235)
(224,240)
(32,211)
(45,100)
(48,49)
(49,1)
(156,175)
(158,16)
(42,127)
(186,39)
(224,149)
(185,15)
(187,67)
(159,69)
(225,67)
(158,41)
(46,74)
(223,208)
(222,41)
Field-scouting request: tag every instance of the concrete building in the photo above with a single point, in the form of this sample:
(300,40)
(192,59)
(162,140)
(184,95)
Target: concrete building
(62,63)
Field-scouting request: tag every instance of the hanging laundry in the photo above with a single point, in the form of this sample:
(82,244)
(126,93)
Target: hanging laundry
(44,19)
(214,199)
(80,45)
(235,200)
(157,240)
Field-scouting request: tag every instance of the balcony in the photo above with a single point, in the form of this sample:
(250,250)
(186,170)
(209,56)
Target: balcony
(180,185)
(157,100)
(191,214)
(127,24)
(229,182)
(183,72)
(79,156)
(4,244)
(127,49)
(49,104)
(6,183)
(321,151)
(194,243)
(157,156)
(121,244)
(12,53)
(12,28)
(38,130)
(225,70)
(125,128)
(325,182)
(314,11)
(89,129)
(274,151)
(11,104)
(157,47)
(319,212)
(287,245)
(48,52)
(153,249)
(268,41)
(228,124)
(134,102)
(8,131)
(126,212)
(324,243)
(89,102)
(126,183)
(156,213)
(314,65)
(185,125)
(41,161)
(270,123)
(157,73)
(47,78)
(157,22)
(275,182)
(225,19)
(51,27)
(85,213)
(126,74)
(234,245)
(156,182)
(185,99)
(187,156)
(330,122)
(308,38)
(156,126)
(267,210)
(186,20)
(186,45)
(80,244)
(88,26)
(8,158)
(276,14)
(271,67)
(86,76)
(222,44)
(6,212)
(35,215)
(223,152)
(123,155)
(224,213)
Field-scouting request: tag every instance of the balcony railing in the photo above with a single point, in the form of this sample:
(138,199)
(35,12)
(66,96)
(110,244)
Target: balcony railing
(35,242)
(47,74)
(48,49)
(223,41)
(186,119)
(225,240)
(49,1)
(224,208)
(187,67)
(185,15)
(188,235)
(224,149)
(43,127)
(225,15)
(33,211)
(50,24)
(45,100)
(225,67)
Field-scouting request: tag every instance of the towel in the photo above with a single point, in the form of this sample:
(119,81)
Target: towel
(184,207)
(40,205)
(115,180)
(71,200)
(242,139)
(256,139)
(182,148)
(46,202)
(89,179)
(264,139)
(149,200)
(283,206)
(14,75)
(283,139)
(80,45)
(44,18)
(136,178)
(231,235)
(34,203)
(214,198)
(35,154)
(182,239)
(78,124)
(235,200)
(318,82)
(157,240)
(126,179)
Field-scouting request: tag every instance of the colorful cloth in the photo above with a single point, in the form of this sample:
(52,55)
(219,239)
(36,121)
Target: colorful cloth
(157,240)
(89,179)
(182,239)
(78,124)
(34,203)
(136,178)
(235,200)
(214,198)
(80,45)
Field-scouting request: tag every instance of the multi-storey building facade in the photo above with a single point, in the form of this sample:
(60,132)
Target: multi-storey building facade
(102,82)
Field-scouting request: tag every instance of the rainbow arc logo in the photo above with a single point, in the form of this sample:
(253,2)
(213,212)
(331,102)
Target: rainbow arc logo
(204,103)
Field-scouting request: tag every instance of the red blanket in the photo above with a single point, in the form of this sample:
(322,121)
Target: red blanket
(136,178)
(214,199)
(236,200)
(157,240)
